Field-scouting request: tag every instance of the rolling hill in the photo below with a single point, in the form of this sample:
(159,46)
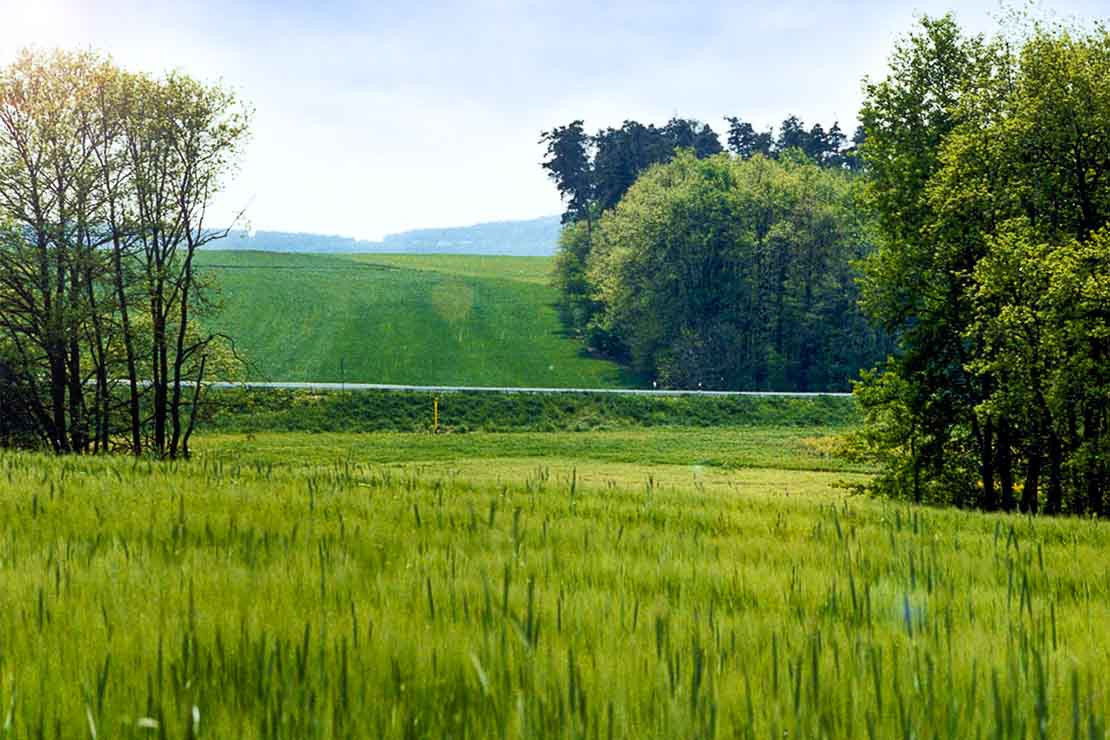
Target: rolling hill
(419,319)
(532,237)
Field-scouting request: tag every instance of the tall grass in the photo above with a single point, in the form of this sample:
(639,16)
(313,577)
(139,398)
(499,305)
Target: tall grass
(239,598)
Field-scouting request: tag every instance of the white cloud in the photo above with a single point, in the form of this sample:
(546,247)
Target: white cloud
(394,115)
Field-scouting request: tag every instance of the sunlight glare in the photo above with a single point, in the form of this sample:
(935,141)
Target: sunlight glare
(38,23)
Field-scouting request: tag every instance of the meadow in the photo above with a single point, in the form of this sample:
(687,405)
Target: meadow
(664,583)
(413,319)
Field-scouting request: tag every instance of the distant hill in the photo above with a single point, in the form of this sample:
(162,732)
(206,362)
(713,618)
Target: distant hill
(532,238)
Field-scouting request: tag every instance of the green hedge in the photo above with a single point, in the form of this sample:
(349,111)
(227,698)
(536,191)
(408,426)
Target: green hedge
(258,410)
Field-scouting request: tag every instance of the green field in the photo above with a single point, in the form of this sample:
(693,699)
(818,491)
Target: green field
(439,319)
(662,583)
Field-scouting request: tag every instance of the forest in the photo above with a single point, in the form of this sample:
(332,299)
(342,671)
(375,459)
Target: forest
(707,269)
(949,263)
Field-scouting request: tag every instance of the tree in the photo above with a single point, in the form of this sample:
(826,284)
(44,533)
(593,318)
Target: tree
(181,142)
(50,261)
(684,133)
(592,174)
(745,142)
(726,273)
(621,155)
(105,178)
(567,161)
(793,135)
(989,175)
(826,148)
(916,291)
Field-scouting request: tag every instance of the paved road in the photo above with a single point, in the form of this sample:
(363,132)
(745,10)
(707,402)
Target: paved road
(488,389)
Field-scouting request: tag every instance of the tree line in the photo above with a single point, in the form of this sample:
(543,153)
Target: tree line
(968,219)
(701,268)
(988,162)
(829,148)
(593,171)
(105,181)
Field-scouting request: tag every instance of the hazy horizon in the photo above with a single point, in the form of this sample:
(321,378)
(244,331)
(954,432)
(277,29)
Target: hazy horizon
(371,121)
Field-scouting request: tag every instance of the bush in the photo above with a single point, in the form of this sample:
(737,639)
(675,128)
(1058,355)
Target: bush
(282,410)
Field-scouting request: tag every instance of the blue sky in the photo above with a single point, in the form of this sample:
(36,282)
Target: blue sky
(373,118)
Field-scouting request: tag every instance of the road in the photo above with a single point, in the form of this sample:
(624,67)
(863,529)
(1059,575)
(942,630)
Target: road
(489,389)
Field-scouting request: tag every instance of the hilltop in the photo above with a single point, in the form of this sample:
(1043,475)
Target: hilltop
(534,237)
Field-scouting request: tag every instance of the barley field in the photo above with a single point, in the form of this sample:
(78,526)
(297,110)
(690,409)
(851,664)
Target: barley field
(257,593)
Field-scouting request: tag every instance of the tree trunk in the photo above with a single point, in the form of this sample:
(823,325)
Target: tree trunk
(160,386)
(1055,498)
(102,403)
(160,368)
(1091,476)
(985,435)
(194,409)
(1032,482)
(78,424)
(57,362)
(178,363)
(1005,463)
(55,347)
(129,348)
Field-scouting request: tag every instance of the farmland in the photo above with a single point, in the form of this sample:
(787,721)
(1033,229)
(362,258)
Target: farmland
(438,319)
(672,582)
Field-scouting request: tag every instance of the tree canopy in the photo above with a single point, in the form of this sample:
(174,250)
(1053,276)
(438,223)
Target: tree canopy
(828,148)
(989,175)
(594,175)
(105,181)
(729,273)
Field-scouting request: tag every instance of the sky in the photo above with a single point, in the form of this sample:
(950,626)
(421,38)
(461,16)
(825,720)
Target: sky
(378,117)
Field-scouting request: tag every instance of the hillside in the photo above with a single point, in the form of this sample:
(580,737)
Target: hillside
(534,237)
(420,319)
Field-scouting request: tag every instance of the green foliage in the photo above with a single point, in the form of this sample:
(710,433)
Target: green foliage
(917,291)
(744,142)
(827,148)
(567,161)
(260,596)
(576,304)
(990,176)
(621,154)
(593,173)
(262,409)
(729,273)
(454,320)
(96,279)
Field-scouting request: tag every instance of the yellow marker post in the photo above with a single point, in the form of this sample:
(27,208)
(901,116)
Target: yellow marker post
(435,415)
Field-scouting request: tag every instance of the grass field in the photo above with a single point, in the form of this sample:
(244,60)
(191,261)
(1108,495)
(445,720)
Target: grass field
(668,583)
(440,319)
